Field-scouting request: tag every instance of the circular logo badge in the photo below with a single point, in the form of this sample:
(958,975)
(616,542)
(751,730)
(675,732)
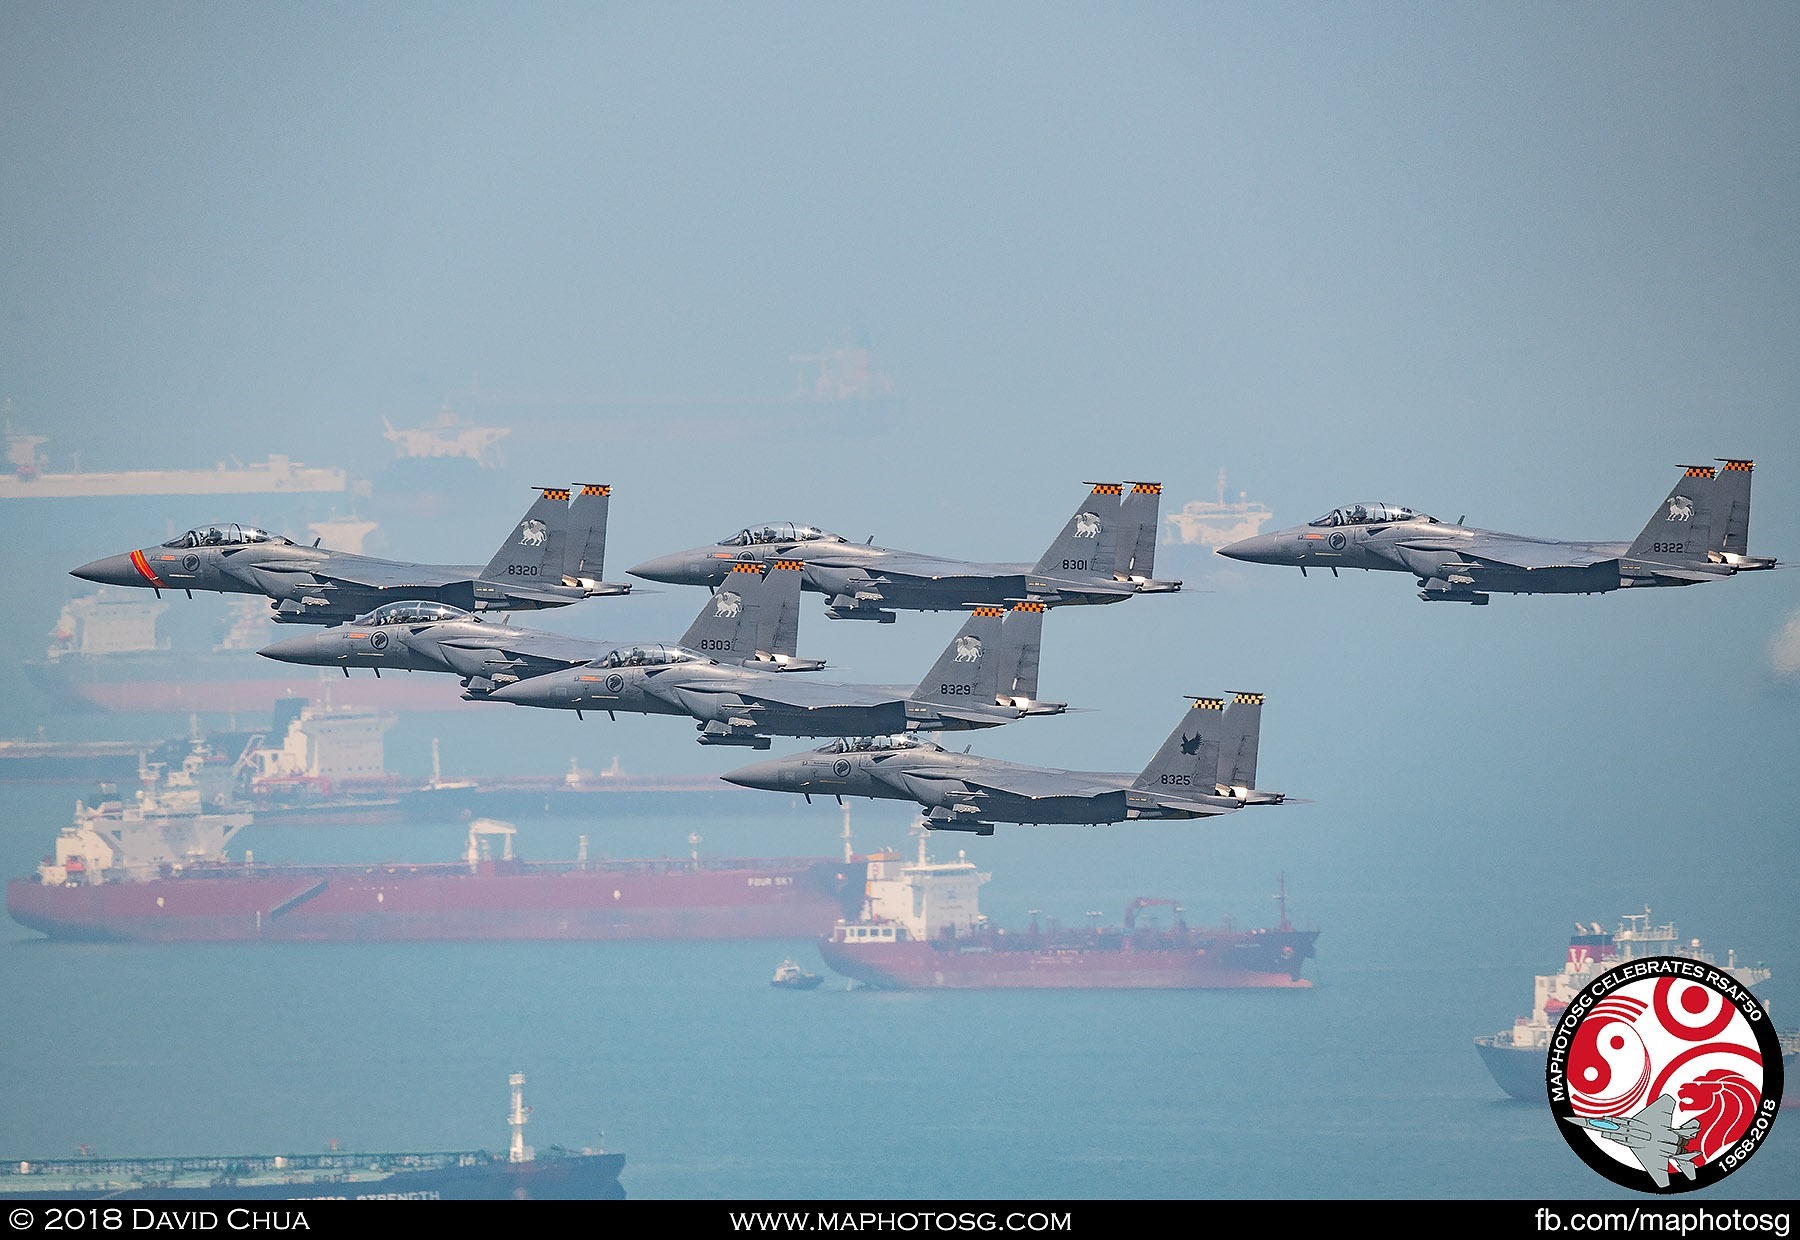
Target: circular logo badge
(379,641)
(614,683)
(747,557)
(191,562)
(1336,540)
(1664,1074)
(841,768)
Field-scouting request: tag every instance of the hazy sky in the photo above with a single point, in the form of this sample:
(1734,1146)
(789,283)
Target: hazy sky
(1518,261)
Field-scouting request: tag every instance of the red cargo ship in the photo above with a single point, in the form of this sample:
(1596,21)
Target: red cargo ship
(157,871)
(921,929)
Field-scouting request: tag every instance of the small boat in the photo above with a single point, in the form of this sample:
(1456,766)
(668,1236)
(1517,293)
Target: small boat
(790,976)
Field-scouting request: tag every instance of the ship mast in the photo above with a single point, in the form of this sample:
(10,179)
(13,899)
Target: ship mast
(519,1151)
(1281,902)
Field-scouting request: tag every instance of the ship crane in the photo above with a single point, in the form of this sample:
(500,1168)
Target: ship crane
(1144,902)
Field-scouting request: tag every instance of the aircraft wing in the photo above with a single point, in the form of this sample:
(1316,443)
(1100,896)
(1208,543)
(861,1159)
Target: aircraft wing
(767,691)
(382,575)
(910,565)
(1527,553)
(1038,785)
(794,694)
(547,652)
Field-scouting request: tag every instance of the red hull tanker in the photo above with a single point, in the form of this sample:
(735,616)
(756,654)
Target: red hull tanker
(921,930)
(157,871)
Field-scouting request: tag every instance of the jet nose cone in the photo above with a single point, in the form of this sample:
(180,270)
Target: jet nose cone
(537,691)
(1262,549)
(118,570)
(307,648)
(675,570)
(765,775)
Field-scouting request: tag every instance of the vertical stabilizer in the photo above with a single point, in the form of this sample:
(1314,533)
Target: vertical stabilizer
(1237,751)
(1135,557)
(778,624)
(1189,759)
(1238,745)
(1021,639)
(727,628)
(1731,504)
(585,559)
(533,552)
(1679,528)
(967,673)
(1089,541)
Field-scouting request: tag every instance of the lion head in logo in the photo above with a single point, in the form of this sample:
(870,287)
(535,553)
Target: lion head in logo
(968,650)
(1087,525)
(1680,508)
(727,604)
(532,532)
(1726,1103)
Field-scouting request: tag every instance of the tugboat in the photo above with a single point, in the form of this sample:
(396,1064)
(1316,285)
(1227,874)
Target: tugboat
(790,976)
(1516,1056)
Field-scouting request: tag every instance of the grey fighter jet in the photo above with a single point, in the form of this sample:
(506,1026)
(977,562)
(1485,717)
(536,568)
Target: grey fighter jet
(986,676)
(1650,1136)
(1105,554)
(1698,533)
(553,558)
(751,621)
(1206,767)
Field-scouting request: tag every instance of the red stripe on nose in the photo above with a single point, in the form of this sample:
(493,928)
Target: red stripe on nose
(143,566)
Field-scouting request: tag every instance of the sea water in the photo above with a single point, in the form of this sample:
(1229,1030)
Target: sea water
(716,1086)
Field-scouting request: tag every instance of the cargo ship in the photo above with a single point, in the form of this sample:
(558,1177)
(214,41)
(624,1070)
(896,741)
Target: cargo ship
(921,928)
(158,869)
(1515,1056)
(106,654)
(26,476)
(576,793)
(520,1174)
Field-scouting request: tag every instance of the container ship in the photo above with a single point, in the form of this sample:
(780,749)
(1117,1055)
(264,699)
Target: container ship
(921,928)
(159,869)
(520,1174)
(1516,1056)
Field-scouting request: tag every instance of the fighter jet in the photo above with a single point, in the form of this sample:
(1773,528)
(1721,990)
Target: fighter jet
(985,677)
(1700,532)
(553,558)
(1105,554)
(752,621)
(1206,767)
(1650,1137)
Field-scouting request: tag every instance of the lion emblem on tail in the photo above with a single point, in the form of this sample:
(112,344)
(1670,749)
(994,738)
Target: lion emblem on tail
(726,605)
(1087,525)
(1681,508)
(531,533)
(968,650)
(1726,1103)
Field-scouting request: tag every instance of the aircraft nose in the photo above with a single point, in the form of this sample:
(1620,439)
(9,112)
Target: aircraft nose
(554,690)
(1261,549)
(676,570)
(310,648)
(119,570)
(765,775)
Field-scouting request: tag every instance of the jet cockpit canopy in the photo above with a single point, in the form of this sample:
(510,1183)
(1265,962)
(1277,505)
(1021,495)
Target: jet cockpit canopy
(414,611)
(876,744)
(778,532)
(224,534)
(1370,514)
(650,654)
